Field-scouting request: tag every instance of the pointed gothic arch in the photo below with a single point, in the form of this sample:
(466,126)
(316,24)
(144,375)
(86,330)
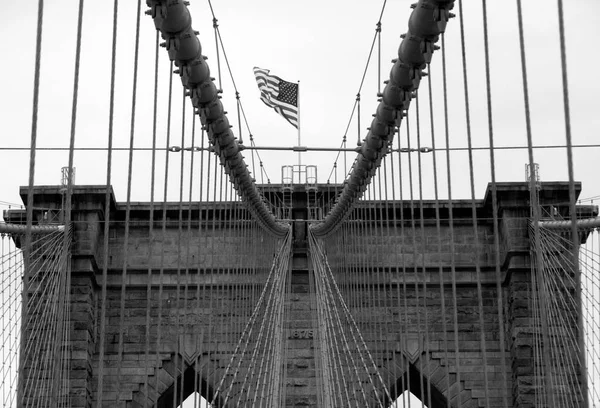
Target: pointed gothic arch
(185,385)
(419,385)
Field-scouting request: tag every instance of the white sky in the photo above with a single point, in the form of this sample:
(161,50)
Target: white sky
(323,44)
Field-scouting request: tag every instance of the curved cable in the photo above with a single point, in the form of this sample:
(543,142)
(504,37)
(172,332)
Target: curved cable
(173,20)
(427,21)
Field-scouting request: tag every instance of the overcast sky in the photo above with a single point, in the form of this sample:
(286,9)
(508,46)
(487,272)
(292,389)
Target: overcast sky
(324,45)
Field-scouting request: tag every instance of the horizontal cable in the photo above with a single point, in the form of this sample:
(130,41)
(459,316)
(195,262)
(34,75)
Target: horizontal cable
(294,148)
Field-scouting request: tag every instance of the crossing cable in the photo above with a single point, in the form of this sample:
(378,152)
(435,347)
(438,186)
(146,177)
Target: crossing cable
(41,369)
(174,21)
(246,334)
(45,256)
(498,274)
(340,379)
(107,201)
(557,320)
(556,267)
(477,251)
(415,50)
(326,336)
(564,336)
(262,383)
(270,289)
(46,304)
(351,360)
(333,291)
(556,250)
(12,267)
(535,307)
(327,320)
(323,339)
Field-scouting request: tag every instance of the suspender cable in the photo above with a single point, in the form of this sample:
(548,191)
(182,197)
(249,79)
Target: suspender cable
(200,384)
(107,208)
(180,368)
(499,290)
(451,224)
(572,200)
(65,296)
(163,227)
(151,233)
(548,382)
(28,234)
(415,253)
(423,242)
(128,203)
(438,230)
(482,330)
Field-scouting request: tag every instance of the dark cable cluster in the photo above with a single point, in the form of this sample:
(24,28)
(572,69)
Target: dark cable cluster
(172,18)
(427,21)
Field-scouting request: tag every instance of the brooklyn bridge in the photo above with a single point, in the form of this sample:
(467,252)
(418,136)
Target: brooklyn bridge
(413,223)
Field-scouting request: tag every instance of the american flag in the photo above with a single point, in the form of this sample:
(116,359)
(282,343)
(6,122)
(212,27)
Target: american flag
(278,94)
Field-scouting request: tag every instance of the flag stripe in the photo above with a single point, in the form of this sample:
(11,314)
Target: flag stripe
(278,94)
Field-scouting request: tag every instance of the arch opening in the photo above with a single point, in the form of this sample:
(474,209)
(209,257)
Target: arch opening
(415,390)
(188,388)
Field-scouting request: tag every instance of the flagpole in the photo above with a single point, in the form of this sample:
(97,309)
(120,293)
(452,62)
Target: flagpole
(299,139)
